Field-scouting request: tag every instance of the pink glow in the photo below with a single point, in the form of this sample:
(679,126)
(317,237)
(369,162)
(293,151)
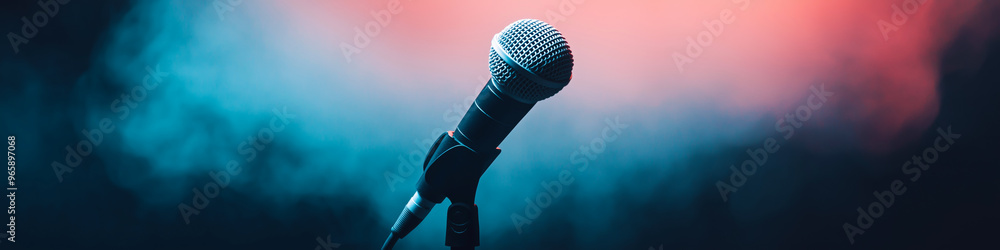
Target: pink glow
(762,63)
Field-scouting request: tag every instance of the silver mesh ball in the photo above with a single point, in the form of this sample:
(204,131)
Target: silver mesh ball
(538,47)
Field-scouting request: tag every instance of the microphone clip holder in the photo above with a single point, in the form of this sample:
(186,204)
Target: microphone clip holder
(452,170)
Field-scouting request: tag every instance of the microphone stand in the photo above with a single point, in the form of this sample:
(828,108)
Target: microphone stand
(452,170)
(454,165)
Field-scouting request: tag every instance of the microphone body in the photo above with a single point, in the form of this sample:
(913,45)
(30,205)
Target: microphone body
(529,62)
(458,158)
(490,118)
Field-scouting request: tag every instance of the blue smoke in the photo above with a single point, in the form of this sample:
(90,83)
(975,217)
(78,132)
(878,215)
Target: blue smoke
(189,90)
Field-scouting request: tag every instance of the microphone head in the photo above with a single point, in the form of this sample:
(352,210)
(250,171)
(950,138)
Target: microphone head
(530,61)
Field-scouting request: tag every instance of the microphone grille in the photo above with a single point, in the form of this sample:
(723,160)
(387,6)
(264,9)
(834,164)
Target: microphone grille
(538,48)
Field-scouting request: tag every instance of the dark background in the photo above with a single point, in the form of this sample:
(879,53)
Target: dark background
(953,205)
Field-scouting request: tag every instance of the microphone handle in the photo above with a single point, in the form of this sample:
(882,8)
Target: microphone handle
(453,171)
(490,118)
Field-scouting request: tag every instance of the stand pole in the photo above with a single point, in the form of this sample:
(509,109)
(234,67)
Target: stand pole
(463,226)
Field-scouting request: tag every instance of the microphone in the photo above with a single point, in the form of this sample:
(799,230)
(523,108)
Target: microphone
(529,62)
